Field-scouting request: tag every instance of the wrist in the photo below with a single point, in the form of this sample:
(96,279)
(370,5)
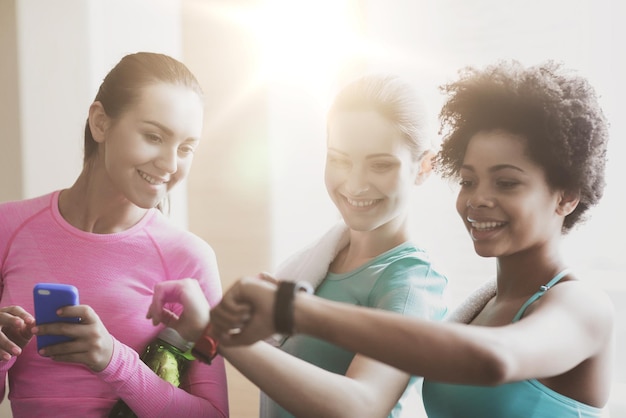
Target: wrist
(301,305)
(284,305)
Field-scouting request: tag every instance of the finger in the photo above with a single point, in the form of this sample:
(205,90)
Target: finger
(227,327)
(231,302)
(82,313)
(22,337)
(167,318)
(9,321)
(155,312)
(162,316)
(78,321)
(184,292)
(8,348)
(226,323)
(268,278)
(19,312)
(158,300)
(57,328)
(225,316)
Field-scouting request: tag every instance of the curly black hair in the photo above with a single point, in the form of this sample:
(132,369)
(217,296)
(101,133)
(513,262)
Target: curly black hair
(556,111)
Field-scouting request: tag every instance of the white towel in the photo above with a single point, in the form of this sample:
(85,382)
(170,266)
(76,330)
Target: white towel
(473,304)
(311,263)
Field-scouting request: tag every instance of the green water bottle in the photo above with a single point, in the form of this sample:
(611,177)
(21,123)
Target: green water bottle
(169,356)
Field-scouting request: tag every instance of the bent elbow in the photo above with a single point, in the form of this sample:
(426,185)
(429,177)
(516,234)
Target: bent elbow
(498,367)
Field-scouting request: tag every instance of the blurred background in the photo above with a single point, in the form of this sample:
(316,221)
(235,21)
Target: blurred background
(269,69)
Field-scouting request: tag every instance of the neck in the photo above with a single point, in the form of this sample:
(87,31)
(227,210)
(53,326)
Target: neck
(366,245)
(93,207)
(524,272)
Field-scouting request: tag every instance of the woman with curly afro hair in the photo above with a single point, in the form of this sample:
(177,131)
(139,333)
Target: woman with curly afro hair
(528,148)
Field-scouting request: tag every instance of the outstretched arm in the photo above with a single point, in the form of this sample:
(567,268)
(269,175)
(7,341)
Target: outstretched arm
(532,348)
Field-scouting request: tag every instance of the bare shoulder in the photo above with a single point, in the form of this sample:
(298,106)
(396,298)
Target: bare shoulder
(588,304)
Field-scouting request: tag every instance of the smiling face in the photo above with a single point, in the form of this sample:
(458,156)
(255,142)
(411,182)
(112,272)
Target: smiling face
(505,201)
(149,148)
(369,170)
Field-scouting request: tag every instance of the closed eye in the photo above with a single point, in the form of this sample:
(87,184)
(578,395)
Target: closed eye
(464,183)
(152,137)
(382,166)
(507,184)
(186,149)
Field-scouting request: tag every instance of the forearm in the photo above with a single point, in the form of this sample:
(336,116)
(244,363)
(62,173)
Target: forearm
(420,347)
(149,395)
(306,390)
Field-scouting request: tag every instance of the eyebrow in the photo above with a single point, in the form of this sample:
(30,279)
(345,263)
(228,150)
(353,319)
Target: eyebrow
(495,168)
(160,126)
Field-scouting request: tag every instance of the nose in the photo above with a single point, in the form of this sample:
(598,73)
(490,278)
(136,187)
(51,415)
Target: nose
(479,199)
(357,182)
(167,160)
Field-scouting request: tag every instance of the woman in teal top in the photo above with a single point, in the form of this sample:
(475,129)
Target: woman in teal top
(528,147)
(378,151)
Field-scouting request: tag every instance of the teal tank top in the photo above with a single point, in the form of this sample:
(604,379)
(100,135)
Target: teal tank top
(524,399)
(401,280)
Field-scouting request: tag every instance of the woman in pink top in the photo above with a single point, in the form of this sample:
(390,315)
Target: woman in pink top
(105,235)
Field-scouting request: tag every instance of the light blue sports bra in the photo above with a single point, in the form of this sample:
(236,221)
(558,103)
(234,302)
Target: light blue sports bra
(524,399)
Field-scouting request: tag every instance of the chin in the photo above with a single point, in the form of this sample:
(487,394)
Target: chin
(146,203)
(484,252)
(357,225)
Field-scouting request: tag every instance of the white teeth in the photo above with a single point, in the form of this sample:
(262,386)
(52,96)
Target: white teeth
(361,203)
(150,179)
(482,226)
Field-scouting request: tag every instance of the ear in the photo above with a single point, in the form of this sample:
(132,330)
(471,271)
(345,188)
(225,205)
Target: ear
(425,167)
(98,121)
(568,200)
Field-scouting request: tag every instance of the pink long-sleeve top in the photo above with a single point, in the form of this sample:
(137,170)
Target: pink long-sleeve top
(115,274)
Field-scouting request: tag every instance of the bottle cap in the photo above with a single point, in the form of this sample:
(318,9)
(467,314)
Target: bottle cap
(171,336)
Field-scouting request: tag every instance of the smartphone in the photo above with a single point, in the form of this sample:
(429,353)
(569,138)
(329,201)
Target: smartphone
(49,297)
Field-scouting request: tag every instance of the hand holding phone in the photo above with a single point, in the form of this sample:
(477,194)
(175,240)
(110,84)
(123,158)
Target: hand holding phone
(48,298)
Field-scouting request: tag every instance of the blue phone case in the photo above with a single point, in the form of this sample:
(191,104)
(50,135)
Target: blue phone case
(49,297)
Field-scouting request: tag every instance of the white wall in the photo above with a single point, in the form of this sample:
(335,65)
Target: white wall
(65,48)
(427,42)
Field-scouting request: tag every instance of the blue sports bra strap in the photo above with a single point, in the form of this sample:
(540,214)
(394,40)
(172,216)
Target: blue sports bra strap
(542,289)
